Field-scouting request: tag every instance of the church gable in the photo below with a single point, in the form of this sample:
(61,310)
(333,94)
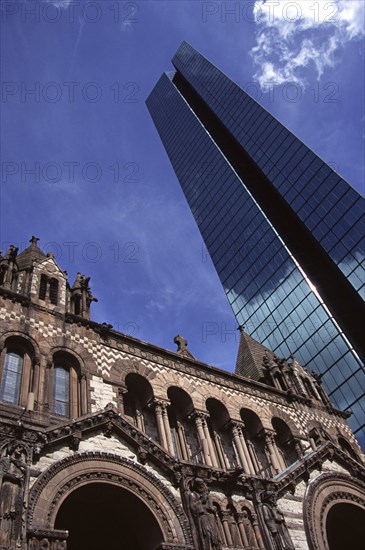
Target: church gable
(201,458)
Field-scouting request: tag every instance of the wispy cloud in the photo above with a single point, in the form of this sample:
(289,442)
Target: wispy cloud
(293,37)
(60,3)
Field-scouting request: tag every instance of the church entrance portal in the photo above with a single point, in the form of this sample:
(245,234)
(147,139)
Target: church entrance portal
(345,527)
(102,515)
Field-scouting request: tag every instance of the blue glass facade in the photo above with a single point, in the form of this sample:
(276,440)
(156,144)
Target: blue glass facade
(276,221)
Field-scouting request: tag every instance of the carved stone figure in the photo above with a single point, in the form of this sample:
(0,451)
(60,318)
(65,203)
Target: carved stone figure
(13,475)
(203,513)
(275,523)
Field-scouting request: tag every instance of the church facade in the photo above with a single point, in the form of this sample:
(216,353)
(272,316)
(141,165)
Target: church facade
(107,441)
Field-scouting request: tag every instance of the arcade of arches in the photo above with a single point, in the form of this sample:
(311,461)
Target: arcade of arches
(109,442)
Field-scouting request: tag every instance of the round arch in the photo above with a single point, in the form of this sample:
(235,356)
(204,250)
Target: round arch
(348,446)
(102,514)
(277,413)
(77,358)
(25,340)
(59,481)
(123,367)
(326,498)
(83,356)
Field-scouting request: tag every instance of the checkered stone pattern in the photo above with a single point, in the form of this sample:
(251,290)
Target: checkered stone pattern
(51,269)
(20,282)
(194,381)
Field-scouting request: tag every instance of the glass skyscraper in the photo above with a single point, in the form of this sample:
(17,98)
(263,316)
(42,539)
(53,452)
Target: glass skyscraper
(284,231)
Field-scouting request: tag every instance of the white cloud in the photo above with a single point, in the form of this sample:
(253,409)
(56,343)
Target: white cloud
(293,37)
(60,3)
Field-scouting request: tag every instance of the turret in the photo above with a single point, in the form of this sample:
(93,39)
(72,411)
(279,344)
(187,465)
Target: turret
(37,275)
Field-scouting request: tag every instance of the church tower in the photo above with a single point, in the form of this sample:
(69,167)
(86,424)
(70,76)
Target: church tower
(107,441)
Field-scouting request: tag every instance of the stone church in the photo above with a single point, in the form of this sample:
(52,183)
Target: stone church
(108,442)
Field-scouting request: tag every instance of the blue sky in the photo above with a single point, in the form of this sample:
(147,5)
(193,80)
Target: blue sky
(84,170)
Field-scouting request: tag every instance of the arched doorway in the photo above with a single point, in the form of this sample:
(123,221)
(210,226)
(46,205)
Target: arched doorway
(103,515)
(334,512)
(345,527)
(112,501)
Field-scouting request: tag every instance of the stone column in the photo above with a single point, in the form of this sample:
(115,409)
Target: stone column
(83,394)
(237,438)
(241,529)
(35,381)
(256,528)
(166,423)
(48,390)
(250,464)
(221,456)
(160,424)
(140,420)
(270,442)
(208,438)
(182,441)
(258,467)
(201,436)
(226,518)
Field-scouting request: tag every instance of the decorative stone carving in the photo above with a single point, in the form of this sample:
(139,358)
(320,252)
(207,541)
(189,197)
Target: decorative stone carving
(203,513)
(52,488)
(41,539)
(14,476)
(322,494)
(275,523)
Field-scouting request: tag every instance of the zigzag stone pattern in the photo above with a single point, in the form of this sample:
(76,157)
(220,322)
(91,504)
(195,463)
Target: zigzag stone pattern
(201,458)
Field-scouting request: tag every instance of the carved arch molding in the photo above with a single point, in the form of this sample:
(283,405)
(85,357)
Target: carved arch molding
(62,478)
(323,493)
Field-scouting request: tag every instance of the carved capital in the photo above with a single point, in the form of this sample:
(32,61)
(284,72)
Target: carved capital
(159,405)
(199,417)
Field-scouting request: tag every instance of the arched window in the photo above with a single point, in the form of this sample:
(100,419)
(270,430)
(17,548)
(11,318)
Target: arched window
(347,448)
(284,441)
(14,282)
(16,371)
(53,291)
(11,379)
(61,391)
(43,287)
(182,428)
(219,424)
(308,386)
(254,436)
(68,389)
(137,401)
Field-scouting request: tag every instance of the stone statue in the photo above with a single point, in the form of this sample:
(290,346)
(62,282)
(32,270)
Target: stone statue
(13,476)
(203,513)
(275,523)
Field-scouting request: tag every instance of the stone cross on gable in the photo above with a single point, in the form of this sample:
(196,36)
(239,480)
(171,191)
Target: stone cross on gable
(182,346)
(181,343)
